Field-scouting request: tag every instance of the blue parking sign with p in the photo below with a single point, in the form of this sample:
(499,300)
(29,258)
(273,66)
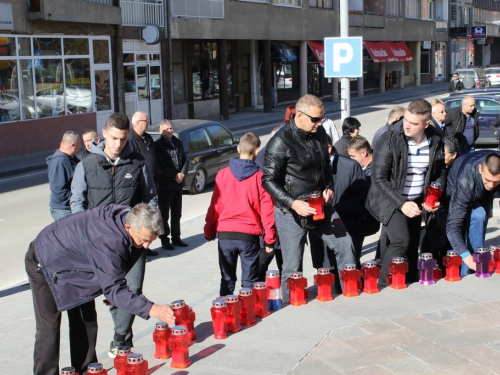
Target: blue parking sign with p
(343,57)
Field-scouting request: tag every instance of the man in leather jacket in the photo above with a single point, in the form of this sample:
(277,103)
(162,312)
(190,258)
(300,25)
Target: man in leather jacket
(406,161)
(462,123)
(297,164)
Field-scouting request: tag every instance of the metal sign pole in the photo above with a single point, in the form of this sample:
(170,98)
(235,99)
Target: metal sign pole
(345,90)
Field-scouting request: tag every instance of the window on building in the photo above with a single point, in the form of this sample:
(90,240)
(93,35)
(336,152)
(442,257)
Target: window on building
(427,9)
(412,8)
(393,8)
(205,71)
(47,76)
(425,62)
(198,8)
(289,3)
(324,4)
(466,18)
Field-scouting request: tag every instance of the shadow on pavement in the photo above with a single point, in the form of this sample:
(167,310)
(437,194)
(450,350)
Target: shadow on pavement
(204,354)
(14,290)
(194,242)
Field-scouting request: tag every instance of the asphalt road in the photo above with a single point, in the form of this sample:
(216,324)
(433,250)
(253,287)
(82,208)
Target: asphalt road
(24,199)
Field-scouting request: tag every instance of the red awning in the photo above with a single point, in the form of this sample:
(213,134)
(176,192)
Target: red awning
(383,52)
(401,51)
(318,51)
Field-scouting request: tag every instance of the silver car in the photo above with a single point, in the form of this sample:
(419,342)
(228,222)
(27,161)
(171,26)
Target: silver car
(493,75)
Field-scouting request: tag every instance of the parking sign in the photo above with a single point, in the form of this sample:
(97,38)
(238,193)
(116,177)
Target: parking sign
(343,57)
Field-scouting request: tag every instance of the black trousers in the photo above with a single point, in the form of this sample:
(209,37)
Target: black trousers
(265,260)
(404,237)
(82,325)
(170,205)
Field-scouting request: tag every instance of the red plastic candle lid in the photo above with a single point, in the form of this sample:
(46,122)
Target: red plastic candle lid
(68,371)
(259,285)
(323,271)
(315,194)
(178,304)
(231,298)
(272,274)
(426,256)
(297,275)
(245,292)
(95,368)
(135,358)
(452,253)
(124,351)
(482,250)
(398,260)
(370,264)
(349,267)
(219,303)
(161,326)
(179,330)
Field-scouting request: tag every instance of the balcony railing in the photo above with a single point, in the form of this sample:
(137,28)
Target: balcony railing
(358,18)
(136,13)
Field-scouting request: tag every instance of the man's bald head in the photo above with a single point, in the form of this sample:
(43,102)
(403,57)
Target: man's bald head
(140,122)
(70,143)
(395,114)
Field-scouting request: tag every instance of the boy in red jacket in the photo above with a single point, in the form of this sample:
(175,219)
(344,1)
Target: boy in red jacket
(240,211)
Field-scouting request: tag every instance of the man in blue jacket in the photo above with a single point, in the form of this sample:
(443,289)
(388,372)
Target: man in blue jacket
(61,167)
(472,181)
(77,259)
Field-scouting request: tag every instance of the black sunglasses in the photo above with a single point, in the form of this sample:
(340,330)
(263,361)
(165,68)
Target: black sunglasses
(314,119)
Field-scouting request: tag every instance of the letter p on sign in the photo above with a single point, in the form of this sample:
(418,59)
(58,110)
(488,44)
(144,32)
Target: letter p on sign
(343,57)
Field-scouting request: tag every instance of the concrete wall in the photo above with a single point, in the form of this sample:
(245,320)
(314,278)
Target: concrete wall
(206,108)
(27,137)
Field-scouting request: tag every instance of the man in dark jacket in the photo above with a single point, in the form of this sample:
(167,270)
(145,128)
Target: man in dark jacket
(77,259)
(438,116)
(472,181)
(142,143)
(350,128)
(394,116)
(455,84)
(351,188)
(89,136)
(462,123)
(61,167)
(297,164)
(173,166)
(404,164)
(115,174)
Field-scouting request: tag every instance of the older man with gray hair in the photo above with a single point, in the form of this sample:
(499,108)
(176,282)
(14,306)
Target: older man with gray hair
(81,257)
(61,168)
(462,123)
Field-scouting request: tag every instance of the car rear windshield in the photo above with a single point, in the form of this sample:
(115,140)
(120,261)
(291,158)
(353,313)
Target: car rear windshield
(492,70)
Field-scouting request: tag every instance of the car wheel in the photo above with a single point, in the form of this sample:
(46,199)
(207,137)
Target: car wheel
(199,182)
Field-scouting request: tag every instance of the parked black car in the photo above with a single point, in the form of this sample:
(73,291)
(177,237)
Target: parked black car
(208,146)
(488,107)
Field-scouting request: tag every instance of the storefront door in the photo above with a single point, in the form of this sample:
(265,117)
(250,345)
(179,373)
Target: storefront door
(149,92)
(101,89)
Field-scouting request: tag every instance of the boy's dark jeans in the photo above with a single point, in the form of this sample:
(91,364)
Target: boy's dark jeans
(228,260)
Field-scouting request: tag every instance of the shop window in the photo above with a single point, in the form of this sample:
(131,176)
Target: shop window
(24,46)
(141,57)
(103,90)
(205,71)
(29,110)
(101,51)
(142,83)
(49,87)
(284,76)
(8,47)
(128,58)
(129,78)
(47,46)
(76,46)
(10,107)
(325,4)
(154,57)
(425,62)
(155,82)
(78,89)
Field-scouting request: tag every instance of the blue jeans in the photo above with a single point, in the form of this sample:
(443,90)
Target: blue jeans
(476,230)
(59,214)
(293,238)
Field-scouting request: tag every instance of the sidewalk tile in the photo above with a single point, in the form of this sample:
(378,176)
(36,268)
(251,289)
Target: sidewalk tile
(371,370)
(466,370)
(422,326)
(376,327)
(476,337)
(482,356)
(347,333)
(432,354)
(408,367)
(381,339)
(473,310)
(472,322)
(312,365)
(442,316)
(329,345)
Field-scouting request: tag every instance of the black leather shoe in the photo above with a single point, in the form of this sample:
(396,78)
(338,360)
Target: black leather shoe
(180,243)
(151,253)
(167,246)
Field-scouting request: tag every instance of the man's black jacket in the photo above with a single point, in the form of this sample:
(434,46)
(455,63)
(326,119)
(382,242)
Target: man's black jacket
(459,87)
(465,187)
(389,169)
(146,147)
(172,160)
(297,163)
(454,125)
